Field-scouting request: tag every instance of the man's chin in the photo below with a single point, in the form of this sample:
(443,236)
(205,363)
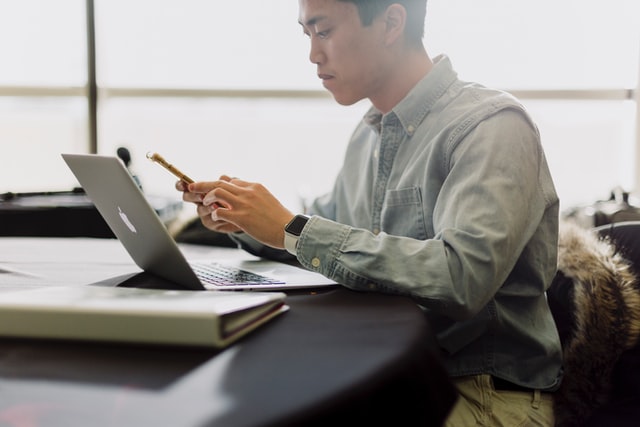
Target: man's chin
(345,100)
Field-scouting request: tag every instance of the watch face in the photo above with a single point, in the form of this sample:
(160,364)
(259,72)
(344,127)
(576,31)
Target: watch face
(296,225)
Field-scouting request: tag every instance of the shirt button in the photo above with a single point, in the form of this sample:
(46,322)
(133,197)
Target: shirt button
(411,129)
(315,262)
(376,231)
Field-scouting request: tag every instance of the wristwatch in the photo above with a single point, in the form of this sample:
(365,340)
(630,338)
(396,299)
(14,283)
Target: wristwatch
(292,232)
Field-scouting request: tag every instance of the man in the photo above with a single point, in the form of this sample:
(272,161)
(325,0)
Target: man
(444,196)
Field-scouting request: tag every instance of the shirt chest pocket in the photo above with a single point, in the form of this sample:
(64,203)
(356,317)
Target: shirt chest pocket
(403,214)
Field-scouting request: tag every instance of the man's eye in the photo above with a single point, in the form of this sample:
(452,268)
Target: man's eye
(323,34)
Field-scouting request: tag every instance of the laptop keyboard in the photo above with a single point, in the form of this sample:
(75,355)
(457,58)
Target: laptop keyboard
(221,275)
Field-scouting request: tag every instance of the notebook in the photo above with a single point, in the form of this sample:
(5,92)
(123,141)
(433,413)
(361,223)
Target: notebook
(138,316)
(126,210)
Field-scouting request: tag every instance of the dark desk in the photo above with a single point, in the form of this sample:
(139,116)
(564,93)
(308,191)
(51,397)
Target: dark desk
(336,356)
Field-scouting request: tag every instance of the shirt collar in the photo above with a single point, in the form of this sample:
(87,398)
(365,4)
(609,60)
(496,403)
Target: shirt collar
(419,101)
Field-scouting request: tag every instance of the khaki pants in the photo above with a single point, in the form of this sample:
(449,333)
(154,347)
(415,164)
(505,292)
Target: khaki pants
(479,404)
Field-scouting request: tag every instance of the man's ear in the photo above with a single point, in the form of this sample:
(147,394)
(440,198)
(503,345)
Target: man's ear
(395,20)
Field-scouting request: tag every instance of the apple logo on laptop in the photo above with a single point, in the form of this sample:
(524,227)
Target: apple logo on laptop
(125,219)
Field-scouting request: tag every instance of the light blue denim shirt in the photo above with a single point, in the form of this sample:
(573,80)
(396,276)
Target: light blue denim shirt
(448,199)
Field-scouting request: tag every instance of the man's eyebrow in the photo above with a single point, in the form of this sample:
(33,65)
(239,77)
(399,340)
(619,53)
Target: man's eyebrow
(312,21)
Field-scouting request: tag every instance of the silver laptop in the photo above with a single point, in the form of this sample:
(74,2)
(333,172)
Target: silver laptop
(135,223)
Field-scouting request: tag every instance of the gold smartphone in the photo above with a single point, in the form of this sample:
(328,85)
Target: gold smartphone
(157,158)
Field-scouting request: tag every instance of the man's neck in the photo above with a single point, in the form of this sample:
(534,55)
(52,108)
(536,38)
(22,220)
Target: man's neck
(405,74)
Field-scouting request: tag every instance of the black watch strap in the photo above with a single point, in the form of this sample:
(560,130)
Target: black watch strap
(292,232)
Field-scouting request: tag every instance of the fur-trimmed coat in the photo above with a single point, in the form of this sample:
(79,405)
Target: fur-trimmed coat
(595,300)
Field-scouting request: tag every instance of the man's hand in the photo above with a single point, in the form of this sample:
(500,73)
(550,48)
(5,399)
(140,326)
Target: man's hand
(231,204)
(204,212)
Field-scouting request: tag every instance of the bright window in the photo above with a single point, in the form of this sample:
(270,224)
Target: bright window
(258,45)
(253,44)
(541,44)
(43,42)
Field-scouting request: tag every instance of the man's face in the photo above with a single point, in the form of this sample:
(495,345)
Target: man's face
(347,55)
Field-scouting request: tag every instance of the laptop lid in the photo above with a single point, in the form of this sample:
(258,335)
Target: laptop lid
(135,223)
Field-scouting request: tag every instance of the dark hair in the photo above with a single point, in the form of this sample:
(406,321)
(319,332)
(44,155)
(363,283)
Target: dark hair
(416,11)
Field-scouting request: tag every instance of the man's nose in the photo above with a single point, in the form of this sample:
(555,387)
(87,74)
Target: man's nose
(315,53)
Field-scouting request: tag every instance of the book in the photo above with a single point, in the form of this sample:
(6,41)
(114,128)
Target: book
(140,316)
